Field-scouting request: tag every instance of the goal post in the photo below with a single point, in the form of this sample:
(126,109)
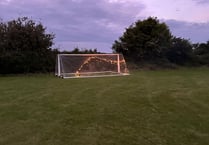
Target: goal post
(90,65)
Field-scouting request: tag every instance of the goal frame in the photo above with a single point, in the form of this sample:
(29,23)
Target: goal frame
(97,74)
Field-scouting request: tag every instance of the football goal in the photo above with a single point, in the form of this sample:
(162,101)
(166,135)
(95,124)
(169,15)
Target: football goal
(90,65)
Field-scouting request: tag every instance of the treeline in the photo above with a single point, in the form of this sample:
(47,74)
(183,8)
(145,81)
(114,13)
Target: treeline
(81,51)
(25,47)
(151,42)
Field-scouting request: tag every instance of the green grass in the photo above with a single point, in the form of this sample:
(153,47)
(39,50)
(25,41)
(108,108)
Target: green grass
(169,107)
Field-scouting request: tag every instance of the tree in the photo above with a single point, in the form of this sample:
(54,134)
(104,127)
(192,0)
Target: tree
(201,51)
(180,51)
(25,47)
(144,40)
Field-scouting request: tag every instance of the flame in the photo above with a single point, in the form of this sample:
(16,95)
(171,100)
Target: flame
(89,59)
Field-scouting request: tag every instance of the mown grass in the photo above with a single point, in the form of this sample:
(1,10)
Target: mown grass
(167,107)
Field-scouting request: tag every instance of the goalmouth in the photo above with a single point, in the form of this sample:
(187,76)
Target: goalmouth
(90,65)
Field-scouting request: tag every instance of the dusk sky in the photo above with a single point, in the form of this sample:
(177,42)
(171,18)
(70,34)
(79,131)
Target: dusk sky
(97,23)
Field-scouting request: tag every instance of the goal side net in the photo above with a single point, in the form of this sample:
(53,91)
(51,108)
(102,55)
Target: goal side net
(90,65)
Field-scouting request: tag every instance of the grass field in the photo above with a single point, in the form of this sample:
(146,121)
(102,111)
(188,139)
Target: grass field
(167,107)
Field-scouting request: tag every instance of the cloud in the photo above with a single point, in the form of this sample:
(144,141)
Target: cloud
(92,21)
(181,10)
(201,1)
(195,32)
(97,23)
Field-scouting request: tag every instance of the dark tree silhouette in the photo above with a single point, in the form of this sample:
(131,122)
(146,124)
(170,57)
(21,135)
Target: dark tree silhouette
(25,47)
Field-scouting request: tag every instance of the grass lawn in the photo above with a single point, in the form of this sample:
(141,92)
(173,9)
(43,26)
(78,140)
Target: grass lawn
(167,107)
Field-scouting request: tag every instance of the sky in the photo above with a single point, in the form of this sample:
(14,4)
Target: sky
(98,23)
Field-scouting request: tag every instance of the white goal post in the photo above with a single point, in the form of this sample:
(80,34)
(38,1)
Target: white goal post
(90,65)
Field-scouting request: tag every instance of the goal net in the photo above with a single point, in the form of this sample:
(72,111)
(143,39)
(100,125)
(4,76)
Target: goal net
(90,65)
